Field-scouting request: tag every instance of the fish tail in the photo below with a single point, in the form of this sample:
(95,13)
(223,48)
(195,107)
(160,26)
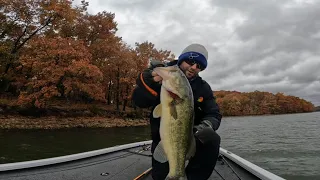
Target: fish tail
(176,178)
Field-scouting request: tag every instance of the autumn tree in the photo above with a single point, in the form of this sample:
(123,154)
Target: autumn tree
(129,73)
(59,67)
(55,49)
(146,51)
(98,32)
(20,22)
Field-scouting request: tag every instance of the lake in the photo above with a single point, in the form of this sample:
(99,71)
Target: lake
(287,145)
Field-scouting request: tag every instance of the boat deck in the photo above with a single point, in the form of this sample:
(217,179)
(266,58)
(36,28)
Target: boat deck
(123,164)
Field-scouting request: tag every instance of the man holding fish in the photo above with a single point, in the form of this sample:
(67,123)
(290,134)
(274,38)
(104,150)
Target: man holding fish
(185,116)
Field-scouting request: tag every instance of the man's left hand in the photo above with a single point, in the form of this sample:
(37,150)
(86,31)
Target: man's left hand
(204,131)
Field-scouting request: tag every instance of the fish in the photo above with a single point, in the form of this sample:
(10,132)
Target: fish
(176,113)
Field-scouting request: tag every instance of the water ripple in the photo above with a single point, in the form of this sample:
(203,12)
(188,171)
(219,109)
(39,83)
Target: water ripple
(287,145)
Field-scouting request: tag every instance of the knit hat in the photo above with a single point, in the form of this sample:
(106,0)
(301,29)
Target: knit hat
(196,52)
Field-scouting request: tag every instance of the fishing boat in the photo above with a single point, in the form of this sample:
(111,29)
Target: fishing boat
(128,162)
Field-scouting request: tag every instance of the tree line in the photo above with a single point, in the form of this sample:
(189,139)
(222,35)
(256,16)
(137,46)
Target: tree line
(52,49)
(233,103)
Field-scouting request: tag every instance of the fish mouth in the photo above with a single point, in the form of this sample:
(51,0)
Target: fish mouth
(173,95)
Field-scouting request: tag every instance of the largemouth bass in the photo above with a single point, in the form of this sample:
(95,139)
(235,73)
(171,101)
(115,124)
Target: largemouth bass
(176,112)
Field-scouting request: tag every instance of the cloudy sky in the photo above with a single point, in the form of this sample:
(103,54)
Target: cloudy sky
(260,45)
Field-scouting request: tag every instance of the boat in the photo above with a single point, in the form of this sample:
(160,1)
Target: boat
(128,162)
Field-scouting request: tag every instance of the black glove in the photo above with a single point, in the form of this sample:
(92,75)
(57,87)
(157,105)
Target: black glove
(204,132)
(147,78)
(155,63)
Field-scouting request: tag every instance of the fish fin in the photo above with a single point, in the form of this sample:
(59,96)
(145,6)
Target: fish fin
(192,148)
(186,163)
(159,153)
(173,112)
(176,178)
(157,111)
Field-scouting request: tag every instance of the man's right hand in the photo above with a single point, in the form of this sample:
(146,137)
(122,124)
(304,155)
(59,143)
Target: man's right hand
(148,86)
(154,64)
(156,77)
(149,79)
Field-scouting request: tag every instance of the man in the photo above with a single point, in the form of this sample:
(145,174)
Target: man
(192,60)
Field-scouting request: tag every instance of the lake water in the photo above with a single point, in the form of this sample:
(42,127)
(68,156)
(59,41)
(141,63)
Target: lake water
(287,145)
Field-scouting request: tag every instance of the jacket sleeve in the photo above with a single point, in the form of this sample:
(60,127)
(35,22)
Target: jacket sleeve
(211,109)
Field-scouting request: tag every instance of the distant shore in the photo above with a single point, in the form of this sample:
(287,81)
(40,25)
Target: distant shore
(53,122)
(63,114)
(56,122)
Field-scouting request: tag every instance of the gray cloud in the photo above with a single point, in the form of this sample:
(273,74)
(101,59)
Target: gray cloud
(253,44)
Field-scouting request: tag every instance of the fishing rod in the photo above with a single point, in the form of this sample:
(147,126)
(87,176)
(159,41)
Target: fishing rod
(144,174)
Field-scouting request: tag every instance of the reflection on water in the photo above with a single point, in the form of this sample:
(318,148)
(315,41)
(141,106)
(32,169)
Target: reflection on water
(23,145)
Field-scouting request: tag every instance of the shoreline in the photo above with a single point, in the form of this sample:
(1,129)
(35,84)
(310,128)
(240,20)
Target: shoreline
(60,122)
(55,122)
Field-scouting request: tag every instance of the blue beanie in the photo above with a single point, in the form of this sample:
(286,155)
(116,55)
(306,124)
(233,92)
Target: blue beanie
(195,52)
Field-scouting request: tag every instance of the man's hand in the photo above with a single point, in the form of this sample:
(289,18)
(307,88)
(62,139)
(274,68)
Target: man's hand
(204,131)
(202,125)
(149,79)
(154,64)
(156,77)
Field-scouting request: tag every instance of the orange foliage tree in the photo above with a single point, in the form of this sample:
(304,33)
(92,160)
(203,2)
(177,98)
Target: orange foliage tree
(54,49)
(22,20)
(146,51)
(233,103)
(59,67)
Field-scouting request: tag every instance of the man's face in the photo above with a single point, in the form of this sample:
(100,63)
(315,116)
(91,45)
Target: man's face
(190,70)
